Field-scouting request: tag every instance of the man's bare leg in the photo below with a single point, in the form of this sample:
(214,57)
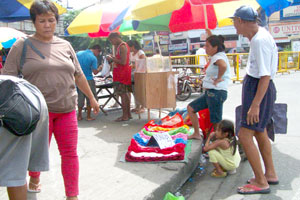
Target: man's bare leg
(127,114)
(246,139)
(265,149)
(17,193)
(125,108)
(79,114)
(129,99)
(89,117)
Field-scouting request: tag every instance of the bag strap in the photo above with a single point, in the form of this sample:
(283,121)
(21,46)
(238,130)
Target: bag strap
(24,51)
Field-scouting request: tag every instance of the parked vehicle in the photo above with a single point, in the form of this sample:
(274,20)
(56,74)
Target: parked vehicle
(188,84)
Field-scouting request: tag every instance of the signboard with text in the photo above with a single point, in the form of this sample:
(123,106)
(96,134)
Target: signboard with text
(174,47)
(163,39)
(291,12)
(194,46)
(148,44)
(230,44)
(284,30)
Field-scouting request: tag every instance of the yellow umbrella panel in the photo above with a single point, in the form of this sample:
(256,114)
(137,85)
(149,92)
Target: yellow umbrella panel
(88,21)
(225,10)
(145,9)
(27,4)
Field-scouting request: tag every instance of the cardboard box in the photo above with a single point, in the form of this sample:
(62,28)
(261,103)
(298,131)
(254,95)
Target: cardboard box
(155,90)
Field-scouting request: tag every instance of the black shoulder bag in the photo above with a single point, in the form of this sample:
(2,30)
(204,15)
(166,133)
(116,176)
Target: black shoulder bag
(17,112)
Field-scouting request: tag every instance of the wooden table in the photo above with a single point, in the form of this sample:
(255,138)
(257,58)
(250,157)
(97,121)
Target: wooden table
(111,95)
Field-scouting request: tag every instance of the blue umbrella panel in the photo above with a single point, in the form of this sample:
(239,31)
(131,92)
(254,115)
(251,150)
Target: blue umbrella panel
(12,11)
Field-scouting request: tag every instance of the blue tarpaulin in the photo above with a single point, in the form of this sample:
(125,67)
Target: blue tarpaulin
(271,6)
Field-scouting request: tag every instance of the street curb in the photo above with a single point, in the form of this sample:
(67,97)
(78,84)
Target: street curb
(183,172)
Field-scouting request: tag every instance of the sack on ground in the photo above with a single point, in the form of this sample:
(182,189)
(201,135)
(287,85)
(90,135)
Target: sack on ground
(17,113)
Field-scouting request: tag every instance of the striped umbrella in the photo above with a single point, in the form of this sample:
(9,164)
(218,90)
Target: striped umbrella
(8,36)
(94,20)
(18,10)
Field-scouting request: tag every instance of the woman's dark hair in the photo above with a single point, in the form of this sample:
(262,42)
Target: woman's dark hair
(135,44)
(226,126)
(217,40)
(39,7)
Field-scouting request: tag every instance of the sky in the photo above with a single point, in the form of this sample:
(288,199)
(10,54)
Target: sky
(79,4)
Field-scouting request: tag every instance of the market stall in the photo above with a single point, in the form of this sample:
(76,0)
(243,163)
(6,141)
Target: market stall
(155,84)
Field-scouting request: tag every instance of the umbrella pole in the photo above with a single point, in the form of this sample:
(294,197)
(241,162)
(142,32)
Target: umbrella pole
(205,17)
(156,39)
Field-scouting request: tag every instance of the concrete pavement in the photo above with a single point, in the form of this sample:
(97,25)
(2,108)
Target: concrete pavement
(102,176)
(286,152)
(102,143)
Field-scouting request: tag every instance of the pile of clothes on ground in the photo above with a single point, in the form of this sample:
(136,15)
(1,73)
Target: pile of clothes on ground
(161,140)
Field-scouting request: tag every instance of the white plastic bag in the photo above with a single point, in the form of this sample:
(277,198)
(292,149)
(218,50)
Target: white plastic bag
(105,69)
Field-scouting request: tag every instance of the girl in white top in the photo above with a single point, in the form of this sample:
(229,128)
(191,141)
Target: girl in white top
(136,53)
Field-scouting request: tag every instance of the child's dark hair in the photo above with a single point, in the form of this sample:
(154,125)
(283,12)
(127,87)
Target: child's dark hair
(217,40)
(227,126)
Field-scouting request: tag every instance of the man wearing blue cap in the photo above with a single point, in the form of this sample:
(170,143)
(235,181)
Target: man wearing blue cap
(258,98)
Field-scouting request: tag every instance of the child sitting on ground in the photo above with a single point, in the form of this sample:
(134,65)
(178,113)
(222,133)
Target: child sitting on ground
(223,151)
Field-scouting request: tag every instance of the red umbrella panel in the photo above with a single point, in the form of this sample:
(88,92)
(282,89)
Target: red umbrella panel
(193,17)
(186,18)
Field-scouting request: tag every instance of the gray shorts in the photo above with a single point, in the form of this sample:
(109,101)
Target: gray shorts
(82,97)
(31,152)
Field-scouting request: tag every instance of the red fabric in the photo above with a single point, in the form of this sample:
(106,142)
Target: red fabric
(204,121)
(122,73)
(201,2)
(168,122)
(205,67)
(135,147)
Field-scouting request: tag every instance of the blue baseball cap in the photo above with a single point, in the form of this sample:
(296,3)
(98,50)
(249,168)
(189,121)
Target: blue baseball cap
(246,13)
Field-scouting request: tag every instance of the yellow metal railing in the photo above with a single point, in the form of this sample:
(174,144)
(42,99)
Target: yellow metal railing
(287,61)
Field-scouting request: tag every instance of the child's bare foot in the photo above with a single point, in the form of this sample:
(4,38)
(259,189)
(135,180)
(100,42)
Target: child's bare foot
(79,118)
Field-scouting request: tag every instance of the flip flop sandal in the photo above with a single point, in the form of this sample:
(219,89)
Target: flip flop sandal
(253,190)
(134,110)
(214,174)
(269,182)
(37,186)
(120,119)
